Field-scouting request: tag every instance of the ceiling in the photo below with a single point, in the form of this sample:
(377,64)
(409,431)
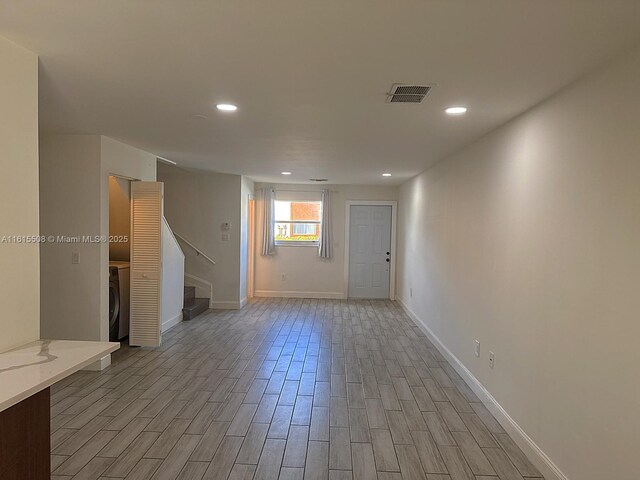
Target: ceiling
(309,77)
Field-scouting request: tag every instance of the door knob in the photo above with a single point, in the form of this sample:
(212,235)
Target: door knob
(388,253)
(388,260)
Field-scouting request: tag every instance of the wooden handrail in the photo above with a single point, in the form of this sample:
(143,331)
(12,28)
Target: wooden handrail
(197,250)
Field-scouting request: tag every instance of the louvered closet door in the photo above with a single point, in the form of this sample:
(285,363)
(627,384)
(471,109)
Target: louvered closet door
(146,263)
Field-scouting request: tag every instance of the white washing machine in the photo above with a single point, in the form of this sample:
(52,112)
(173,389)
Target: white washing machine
(119,278)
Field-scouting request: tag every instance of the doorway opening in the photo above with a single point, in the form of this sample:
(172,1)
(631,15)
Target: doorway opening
(119,257)
(251,239)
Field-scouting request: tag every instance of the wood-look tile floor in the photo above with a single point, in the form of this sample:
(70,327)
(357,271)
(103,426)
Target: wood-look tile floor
(284,388)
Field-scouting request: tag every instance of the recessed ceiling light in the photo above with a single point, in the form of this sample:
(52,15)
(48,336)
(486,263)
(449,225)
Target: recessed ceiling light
(285,173)
(226,107)
(456,110)
(386,174)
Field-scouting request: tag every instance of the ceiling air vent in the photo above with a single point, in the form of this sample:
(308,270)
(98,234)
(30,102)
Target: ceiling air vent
(318,179)
(401,93)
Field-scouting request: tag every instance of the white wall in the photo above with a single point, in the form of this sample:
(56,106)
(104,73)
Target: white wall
(529,241)
(196,205)
(172,279)
(246,189)
(19,274)
(70,206)
(308,275)
(74,200)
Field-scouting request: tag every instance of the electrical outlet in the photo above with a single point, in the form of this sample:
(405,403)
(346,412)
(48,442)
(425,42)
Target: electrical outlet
(284,277)
(225,237)
(492,360)
(75,258)
(477,349)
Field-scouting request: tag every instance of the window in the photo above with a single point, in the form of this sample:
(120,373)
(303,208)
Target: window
(297,222)
(304,229)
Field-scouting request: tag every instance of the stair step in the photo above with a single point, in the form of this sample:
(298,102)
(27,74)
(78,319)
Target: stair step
(194,307)
(189,293)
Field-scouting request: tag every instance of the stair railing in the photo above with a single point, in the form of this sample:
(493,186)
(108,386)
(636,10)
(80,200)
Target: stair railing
(197,250)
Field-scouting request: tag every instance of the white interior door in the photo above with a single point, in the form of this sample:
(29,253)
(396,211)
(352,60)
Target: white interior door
(369,251)
(146,263)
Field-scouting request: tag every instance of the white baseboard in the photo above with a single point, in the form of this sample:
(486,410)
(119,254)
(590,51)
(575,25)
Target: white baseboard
(171,322)
(533,452)
(225,305)
(99,365)
(243,302)
(295,294)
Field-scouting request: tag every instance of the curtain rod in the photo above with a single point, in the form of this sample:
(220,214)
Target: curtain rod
(297,191)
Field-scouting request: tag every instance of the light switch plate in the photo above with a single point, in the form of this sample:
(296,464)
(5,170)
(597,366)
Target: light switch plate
(75,258)
(225,237)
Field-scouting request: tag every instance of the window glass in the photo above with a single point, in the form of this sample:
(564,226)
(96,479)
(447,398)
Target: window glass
(297,222)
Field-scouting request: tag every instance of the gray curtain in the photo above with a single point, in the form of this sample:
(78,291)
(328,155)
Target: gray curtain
(268,241)
(325,249)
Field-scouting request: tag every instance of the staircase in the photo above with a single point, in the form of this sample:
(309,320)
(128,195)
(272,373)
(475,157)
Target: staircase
(193,306)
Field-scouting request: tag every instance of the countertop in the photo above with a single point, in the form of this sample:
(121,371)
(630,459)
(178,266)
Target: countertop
(37,365)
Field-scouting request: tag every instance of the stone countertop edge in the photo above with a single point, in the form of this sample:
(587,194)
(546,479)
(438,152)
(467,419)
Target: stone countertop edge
(30,368)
